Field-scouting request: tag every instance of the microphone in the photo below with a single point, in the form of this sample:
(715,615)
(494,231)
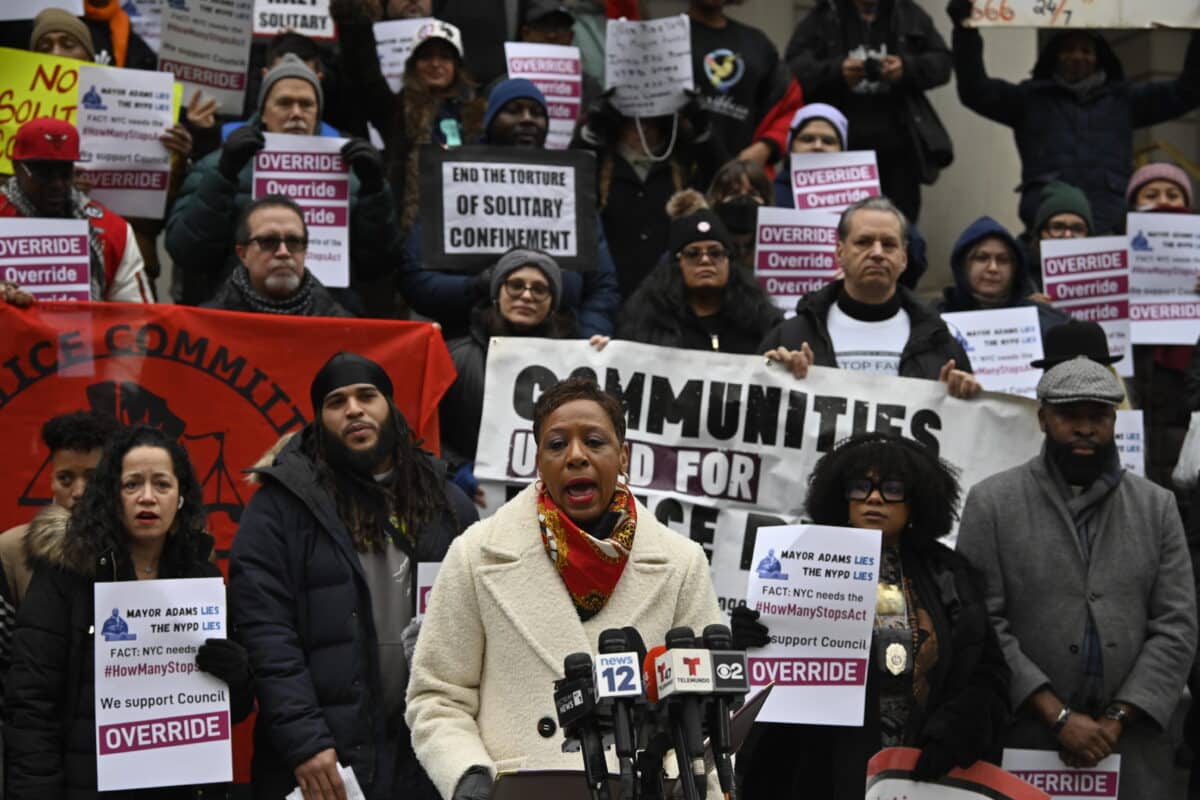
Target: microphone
(688,677)
(730,685)
(619,683)
(650,671)
(575,702)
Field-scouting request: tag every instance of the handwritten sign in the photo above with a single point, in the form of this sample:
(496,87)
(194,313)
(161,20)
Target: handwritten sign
(834,181)
(558,73)
(1089,279)
(49,258)
(1045,770)
(1001,343)
(206,44)
(1164,263)
(309,17)
(1085,13)
(35,85)
(649,63)
(394,40)
(160,721)
(311,171)
(795,253)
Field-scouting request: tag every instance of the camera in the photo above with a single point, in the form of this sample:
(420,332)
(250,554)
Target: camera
(873,68)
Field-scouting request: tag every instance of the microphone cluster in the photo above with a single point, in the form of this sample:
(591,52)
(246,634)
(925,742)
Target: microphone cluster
(645,703)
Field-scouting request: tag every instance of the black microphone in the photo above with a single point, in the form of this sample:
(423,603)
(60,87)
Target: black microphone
(618,675)
(575,702)
(730,682)
(688,681)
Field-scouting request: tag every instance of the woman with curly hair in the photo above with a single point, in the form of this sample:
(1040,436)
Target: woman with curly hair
(141,518)
(937,678)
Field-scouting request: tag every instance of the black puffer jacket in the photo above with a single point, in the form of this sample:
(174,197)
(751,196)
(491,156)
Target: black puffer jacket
(50,720)
(930,343)
(301,606)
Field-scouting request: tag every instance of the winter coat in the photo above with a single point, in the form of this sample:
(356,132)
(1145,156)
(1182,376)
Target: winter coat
(18,545)
(499,623)
(965,711)
(228,298)
(301,606)
(1137,585)
(200,228)
(959,297)
(50,721)
(930,343)
(1086,142)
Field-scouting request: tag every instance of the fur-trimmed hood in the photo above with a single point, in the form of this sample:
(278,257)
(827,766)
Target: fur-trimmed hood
(45,539)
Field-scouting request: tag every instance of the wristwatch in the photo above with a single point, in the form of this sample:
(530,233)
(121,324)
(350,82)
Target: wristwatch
(1060,722)
(1117,714)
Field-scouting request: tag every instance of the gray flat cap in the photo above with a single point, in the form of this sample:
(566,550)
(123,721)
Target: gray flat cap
(1080,380)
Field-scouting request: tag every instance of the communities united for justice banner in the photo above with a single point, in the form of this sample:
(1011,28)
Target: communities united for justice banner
(722,445)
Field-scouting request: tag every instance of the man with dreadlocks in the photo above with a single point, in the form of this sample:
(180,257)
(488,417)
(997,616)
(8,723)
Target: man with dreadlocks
(322,584)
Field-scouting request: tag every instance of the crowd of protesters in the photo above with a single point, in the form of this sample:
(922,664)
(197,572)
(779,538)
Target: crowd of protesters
(325,644)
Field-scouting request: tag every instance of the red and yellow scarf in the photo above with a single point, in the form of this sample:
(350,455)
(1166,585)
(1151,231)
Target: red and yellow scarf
(589,567)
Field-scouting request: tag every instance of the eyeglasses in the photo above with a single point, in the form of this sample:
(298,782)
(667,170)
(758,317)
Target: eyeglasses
(517,287)
(1061,230)
(1001,259)
(891,491)
(694,255)
(270,244)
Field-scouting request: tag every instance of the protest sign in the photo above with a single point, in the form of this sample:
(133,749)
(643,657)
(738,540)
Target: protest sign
(833,181)
(890,777)
(34,85)
(426,575)
(122,113)
(478,202)
(649,64)
(49,258)
(310,170)
(795,253)
(1130,436)
(393,43)
(1089,279)
(814,587)
(28,9)
(160,721)
(1164,265)
(308,17)
(722,445)
(145,17)
(1085,13)
(558,74)
(1001,343)
(206,44)
(1045,770)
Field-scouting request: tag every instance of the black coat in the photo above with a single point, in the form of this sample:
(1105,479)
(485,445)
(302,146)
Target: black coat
(50,718)
(301,606)
(965,712)
(930,343)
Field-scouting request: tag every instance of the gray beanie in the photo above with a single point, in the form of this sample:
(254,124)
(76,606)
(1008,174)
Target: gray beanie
(516,258)
(290,66)
(1080,380)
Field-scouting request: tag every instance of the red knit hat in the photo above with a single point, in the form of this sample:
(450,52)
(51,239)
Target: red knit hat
(46,139)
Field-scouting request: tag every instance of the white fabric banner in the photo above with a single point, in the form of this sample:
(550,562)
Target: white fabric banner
(557,72)
(1085,13)
(309,17)
(1089,279)
(206,43)
(795,253)
(649,63)
(1164,264)
(394,43)
(49,258)
(1001,343)
(1045,770)
(723,444)
(834,181)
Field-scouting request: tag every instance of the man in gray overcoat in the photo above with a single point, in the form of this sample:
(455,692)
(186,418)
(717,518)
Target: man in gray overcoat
(1089,587)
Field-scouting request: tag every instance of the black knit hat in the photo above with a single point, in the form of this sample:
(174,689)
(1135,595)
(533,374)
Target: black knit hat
(344,369)
(702,226)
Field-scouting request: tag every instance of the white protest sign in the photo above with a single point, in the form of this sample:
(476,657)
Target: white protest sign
(28,9)
(487,205)
(206,44)
(349,785)
(722,445)
(427,572)
(833,181)
(309,17)
(145,16)
(120,116)
(393,43)
(1001,343)
(814,587)
(649,63)
(159,720)
(1045,770)
(558,74)
(1089,279)
(794,253)
(311,171)
(49,258)
(1164,262)
(1085,13)
(1130,436)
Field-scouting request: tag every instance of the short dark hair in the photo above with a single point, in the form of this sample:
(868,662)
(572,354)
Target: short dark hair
(931,484)
(729,177)
(578,389)
(241,234)
(880,203)
(298,44)
(79,430)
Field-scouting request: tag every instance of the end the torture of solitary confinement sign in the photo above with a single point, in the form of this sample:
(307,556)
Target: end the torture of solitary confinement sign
(478,202)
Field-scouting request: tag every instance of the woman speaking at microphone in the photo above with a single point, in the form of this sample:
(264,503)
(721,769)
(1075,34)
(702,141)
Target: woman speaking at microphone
(936,677)
(570,556)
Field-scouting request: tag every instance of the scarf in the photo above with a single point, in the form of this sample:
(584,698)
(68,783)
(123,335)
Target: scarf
(118,27)
(589,567)
(79,204)
(1081,89)
(299,304)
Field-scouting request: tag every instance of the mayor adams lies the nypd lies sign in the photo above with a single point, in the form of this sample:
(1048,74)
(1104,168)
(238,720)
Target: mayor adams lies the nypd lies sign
(160,721)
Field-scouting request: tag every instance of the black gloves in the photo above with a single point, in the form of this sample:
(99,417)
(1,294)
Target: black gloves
(694,122)
(475,784)
(226,659)
(747,630)
(959,11)
(367,163)
(238,149)
(602,119)
(934,762)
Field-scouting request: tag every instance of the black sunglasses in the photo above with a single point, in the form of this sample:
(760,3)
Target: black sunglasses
(270,244)
(892,491)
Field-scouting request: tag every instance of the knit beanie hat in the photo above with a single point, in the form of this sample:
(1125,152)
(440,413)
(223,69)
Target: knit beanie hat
(55,19)
(290,66)
(344,369)
(1062,198)
(1161,171)
(505,91)
(518,257)
(820,111)
(703,225)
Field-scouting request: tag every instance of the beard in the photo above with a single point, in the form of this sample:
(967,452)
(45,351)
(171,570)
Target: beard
(1079,470)
(282,284)
(363,462)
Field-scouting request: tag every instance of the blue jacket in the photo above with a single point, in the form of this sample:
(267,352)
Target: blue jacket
(1085,141)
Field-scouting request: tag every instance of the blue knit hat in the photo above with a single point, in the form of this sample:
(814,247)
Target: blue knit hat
(506,91)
